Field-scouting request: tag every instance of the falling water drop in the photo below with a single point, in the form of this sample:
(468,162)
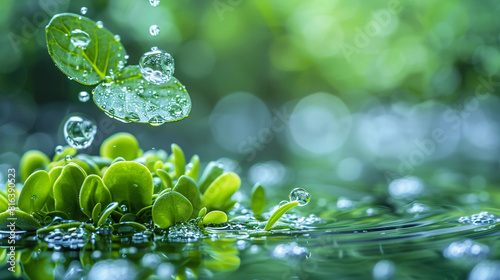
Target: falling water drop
(83,10)
(68,158)
(300,195)
(124,207)
(79,38)
(59,149)
(83,96)
(157,66)
(154,3)
(156,120)
(154,30)
(79,132)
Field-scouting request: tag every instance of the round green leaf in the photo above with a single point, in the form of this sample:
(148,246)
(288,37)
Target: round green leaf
(215,217)
(130,184)
(35,192)
(66,36)
(23,222)
(258,199)
(211,172)
(187,187)
(131,98)
(165,178)
(93,192)
(220,190)
(179,160)
(170,208)
(194,167)
(121,145)
(31,161)
(66,190)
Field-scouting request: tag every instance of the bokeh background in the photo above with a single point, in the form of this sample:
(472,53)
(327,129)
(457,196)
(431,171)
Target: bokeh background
(343,96)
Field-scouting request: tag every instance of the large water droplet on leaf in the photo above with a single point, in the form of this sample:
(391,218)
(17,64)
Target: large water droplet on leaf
(79,132)
(157,66)
(80,38)
(300,195)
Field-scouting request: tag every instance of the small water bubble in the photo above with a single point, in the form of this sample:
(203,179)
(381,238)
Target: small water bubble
(126,56)
(156,120)
(85,73)
(154,30)
(124,207)
(99,24)
(121,64)
(154,3)
(83,96)
(59,149)
(79,38)
(117,38)
(157,66)
(79,132)
(83,10)
(141,89)
(300,195)
(68,158)
(33,197)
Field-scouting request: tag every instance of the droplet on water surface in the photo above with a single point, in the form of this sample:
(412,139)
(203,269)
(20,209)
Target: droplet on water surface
(79,132)
(154,30)
(157,66)
(154,3)
(59,149)
(83,96)
(80,38)
(300,195)
(83,10)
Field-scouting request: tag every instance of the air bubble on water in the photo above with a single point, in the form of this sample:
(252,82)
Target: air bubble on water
(117,38)
(83,10)
(289,251)
(154,30)
(83,96)
(154,3)
(156,120)
(482,218)
(157,66)
(79,132)
(59,149)
(300,195)
(99,24)
(80,38)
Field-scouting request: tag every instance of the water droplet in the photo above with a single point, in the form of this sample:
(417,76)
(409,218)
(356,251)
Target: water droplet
(300,195)
(83,10)
(124,207)
(99,24)
(79,38)
(85,73)
(154,3)
(384,269)
(141,89)
(157,66)
(283,202)
(175,110)
(154,30)
(132,116)
(121,64)
(156,120)
(83,96)
(117,38)
(68,157)
(59,149)
(126,56)
(79,132)
(33,197)
(154,48)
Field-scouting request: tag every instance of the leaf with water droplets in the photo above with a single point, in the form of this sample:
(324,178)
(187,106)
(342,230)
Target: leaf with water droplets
(82,49)
(35,192)
(122,98)
(23,220)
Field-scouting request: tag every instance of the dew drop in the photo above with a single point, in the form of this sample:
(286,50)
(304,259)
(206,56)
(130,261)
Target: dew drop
(99,24)
(124,207)
(154,30)
(121,64)
(79,38)
(83,96)
(132,117)
(126,56)
(83,10)
(156,120)
(300,195)
(157,66)
(154,3)
(59,149)
(68,157)
(33,197)
(79,132)
(118,38)
(85,73)
(154,48)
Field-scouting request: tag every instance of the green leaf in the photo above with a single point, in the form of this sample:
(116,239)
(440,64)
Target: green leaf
(93,191)
(4,203)
(215,217)
(35,192)
(165,178)
(194,167)
(131,98)
(179,161)
(220,190)
(30,162)
(278,213)
(121,145)
(202,212)
(129,217)
(87,65)
(96,212)
(106,212)
(130,184)
(170,208)
(24,221)
(144,215)
(211,172)
(258,201)
(66,190)
(187,187)
(68,151)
